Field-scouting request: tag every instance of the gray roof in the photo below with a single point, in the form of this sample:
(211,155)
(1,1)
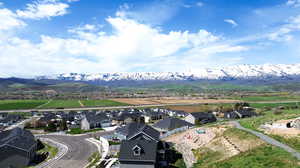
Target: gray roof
(92,118)
(171,123)
(18,138)
(148,151)
(135,128)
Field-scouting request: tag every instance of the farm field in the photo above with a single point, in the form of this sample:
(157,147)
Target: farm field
(20,104)
(102,103)
(200,108)
(267,98)
(61,104)
(173,100)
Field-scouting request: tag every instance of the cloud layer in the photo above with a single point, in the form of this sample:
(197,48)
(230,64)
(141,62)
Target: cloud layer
(132,44)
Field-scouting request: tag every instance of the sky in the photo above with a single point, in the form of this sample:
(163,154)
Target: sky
(45,37)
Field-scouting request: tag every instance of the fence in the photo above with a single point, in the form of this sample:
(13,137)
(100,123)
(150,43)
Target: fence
(175,131)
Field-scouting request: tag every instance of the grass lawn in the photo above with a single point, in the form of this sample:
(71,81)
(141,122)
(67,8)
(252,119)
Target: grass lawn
(265,156)
(52,151)
(80,131)
(93,159)
(102,103)
(254,123)
(20,104)
(61,104)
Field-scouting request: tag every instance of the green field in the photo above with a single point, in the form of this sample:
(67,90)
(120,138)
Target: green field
(102,103)
(20,104)
(61,104)
(273,105)
(265,156)
(270,98)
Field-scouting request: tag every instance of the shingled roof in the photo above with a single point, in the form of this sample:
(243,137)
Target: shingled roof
(148,151)
(18,138)
(171,123)
(135,128)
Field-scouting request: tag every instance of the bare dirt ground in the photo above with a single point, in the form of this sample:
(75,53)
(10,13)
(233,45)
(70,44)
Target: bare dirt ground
(214,139)
(172,100)
(280,128)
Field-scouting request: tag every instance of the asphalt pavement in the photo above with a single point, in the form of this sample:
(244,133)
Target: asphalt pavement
(268,140)
(79,149)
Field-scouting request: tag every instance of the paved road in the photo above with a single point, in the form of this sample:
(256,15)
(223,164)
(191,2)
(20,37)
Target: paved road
(79,149)
(269,140)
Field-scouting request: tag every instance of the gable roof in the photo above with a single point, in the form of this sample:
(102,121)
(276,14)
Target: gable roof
(132,129)
(171,123)
(148,151)
(96,118)
(17,138)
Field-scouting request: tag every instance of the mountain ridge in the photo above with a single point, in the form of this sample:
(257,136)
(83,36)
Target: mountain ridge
(266,71)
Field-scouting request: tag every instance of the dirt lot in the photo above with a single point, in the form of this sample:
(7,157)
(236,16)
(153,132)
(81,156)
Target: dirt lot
(280,128)
(172,100)
(220,139)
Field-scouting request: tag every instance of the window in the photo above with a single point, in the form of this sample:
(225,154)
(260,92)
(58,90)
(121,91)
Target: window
(136,151)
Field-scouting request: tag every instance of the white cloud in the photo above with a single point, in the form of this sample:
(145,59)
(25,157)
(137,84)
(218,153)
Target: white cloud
(232,22)
(284,33)
(9,20)
(131,47)
(43,9)
(294,3)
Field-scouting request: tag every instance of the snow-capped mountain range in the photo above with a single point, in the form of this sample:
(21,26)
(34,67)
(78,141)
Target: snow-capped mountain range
(266,71)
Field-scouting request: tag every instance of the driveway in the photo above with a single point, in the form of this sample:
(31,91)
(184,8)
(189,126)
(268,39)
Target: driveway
(79,150)
(268,140)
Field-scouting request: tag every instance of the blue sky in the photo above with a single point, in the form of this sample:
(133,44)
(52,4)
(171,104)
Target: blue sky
(43,37)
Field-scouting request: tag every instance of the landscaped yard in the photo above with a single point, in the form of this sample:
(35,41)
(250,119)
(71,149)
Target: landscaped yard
(20,104)
(80,131)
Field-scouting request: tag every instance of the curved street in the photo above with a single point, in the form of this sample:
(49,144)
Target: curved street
(79,150)
(268,139)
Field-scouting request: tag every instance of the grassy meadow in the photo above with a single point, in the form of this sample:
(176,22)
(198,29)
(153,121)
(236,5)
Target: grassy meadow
(20,104)
(102,103)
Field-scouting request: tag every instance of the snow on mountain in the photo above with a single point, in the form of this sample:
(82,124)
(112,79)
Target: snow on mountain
(233,72)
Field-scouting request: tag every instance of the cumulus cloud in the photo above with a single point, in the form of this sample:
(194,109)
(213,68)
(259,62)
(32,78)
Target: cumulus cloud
(132,46)
(9,20)
(43,9)
(232,22)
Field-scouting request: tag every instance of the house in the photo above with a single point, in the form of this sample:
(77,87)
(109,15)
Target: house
(171,124)
(91,121)
(200,118)
(17,148)
(142,148)
(134,129)
(239,114)
(129,117)
(10,119)
(46,119)
(138,153)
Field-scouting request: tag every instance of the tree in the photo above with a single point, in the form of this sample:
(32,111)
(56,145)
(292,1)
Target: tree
(63,125)
(51,127)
